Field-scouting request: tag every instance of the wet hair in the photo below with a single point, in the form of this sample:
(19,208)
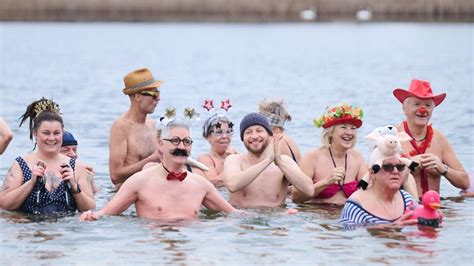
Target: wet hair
(165,129)
(326,137)
(40,111)
(274,108)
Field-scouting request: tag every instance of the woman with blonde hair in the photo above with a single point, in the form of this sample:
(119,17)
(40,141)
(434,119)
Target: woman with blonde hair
(335,167)
(277,115)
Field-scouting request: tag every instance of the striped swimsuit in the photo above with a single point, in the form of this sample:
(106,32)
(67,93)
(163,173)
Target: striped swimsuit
(353,214)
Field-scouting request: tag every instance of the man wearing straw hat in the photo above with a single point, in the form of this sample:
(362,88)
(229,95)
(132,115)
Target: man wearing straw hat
(429,147)
(132,141)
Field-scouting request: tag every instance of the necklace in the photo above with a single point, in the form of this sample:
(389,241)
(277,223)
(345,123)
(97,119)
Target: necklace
(345,169)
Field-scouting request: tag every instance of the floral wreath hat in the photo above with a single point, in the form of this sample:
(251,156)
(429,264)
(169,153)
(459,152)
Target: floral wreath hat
(344,113)
(215,115)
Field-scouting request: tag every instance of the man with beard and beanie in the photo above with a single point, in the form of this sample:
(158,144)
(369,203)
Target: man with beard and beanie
(260,177)
(132,141)
(166,190)
(428,147)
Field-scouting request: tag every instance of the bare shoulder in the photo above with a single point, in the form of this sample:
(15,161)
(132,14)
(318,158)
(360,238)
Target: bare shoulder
(290,140)
(199,180)
(235,158)
(119,124)
(357,196)
(149,164)
(314,153)
(438,136)
(150,122)
(204,158)
(356,154)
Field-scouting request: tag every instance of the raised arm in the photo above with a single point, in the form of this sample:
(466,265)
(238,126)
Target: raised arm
(6,135)
(235,179)
(119,172)
(291,170)
(13,193)
(125,197)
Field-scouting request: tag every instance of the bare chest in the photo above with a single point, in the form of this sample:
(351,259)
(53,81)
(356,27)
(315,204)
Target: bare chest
(141,143)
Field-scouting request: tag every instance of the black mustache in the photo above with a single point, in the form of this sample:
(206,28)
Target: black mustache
(180,152)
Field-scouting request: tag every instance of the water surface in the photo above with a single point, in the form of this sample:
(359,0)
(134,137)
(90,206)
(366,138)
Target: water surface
(81,66)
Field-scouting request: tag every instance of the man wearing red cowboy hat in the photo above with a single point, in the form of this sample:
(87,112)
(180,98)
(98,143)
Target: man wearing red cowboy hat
(132,141)
(429,147)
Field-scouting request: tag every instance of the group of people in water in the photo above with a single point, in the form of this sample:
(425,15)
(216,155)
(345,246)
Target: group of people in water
(152,169)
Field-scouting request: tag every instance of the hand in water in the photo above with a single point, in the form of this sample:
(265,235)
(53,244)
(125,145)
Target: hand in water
(90,216)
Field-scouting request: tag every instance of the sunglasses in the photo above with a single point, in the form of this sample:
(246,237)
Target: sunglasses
(176,141)
(154,94)
(219,133)
(389,167)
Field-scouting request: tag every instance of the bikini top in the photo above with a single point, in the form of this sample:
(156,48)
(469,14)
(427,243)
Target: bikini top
(331,190)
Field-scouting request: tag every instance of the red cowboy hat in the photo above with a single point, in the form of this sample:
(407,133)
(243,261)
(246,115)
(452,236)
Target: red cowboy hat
(420,89)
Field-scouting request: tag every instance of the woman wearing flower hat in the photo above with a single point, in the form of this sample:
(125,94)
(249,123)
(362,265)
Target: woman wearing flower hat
(45,181)
(335,167)
(429,147)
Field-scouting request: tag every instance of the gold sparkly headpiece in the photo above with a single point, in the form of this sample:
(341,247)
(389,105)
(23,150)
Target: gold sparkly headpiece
(45,105)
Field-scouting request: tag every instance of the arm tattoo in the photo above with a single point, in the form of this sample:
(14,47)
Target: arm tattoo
(5,185)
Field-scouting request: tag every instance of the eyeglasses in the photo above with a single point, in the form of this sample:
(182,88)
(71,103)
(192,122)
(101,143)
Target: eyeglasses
(187,141)
(220,133)
(154,94)
(389,167)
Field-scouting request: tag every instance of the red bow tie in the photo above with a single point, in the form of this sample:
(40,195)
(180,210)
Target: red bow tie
(172,175)
(178,176)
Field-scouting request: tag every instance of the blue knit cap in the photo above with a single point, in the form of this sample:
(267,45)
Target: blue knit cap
(68,139)
(253,119)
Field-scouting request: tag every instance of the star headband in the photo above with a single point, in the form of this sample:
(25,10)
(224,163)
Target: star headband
(215,115)
(170,115)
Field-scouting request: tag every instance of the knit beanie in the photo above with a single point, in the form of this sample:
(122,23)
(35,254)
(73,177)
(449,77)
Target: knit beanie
(253,119)
(68,139)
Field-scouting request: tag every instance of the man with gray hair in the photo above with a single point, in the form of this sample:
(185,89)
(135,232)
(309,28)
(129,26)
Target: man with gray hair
(428,147)
(166,190)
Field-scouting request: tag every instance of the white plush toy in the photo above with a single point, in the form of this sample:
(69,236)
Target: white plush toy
(385,142)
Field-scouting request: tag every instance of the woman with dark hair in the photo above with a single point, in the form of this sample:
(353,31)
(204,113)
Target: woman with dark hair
(217,130)
(45,181)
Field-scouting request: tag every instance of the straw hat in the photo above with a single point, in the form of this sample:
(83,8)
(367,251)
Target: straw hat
(139,80)
(420,89)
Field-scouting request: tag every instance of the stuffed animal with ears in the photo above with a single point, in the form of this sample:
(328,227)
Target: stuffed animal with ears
(385,142)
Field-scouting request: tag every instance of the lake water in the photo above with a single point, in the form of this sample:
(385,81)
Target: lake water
(81,66)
